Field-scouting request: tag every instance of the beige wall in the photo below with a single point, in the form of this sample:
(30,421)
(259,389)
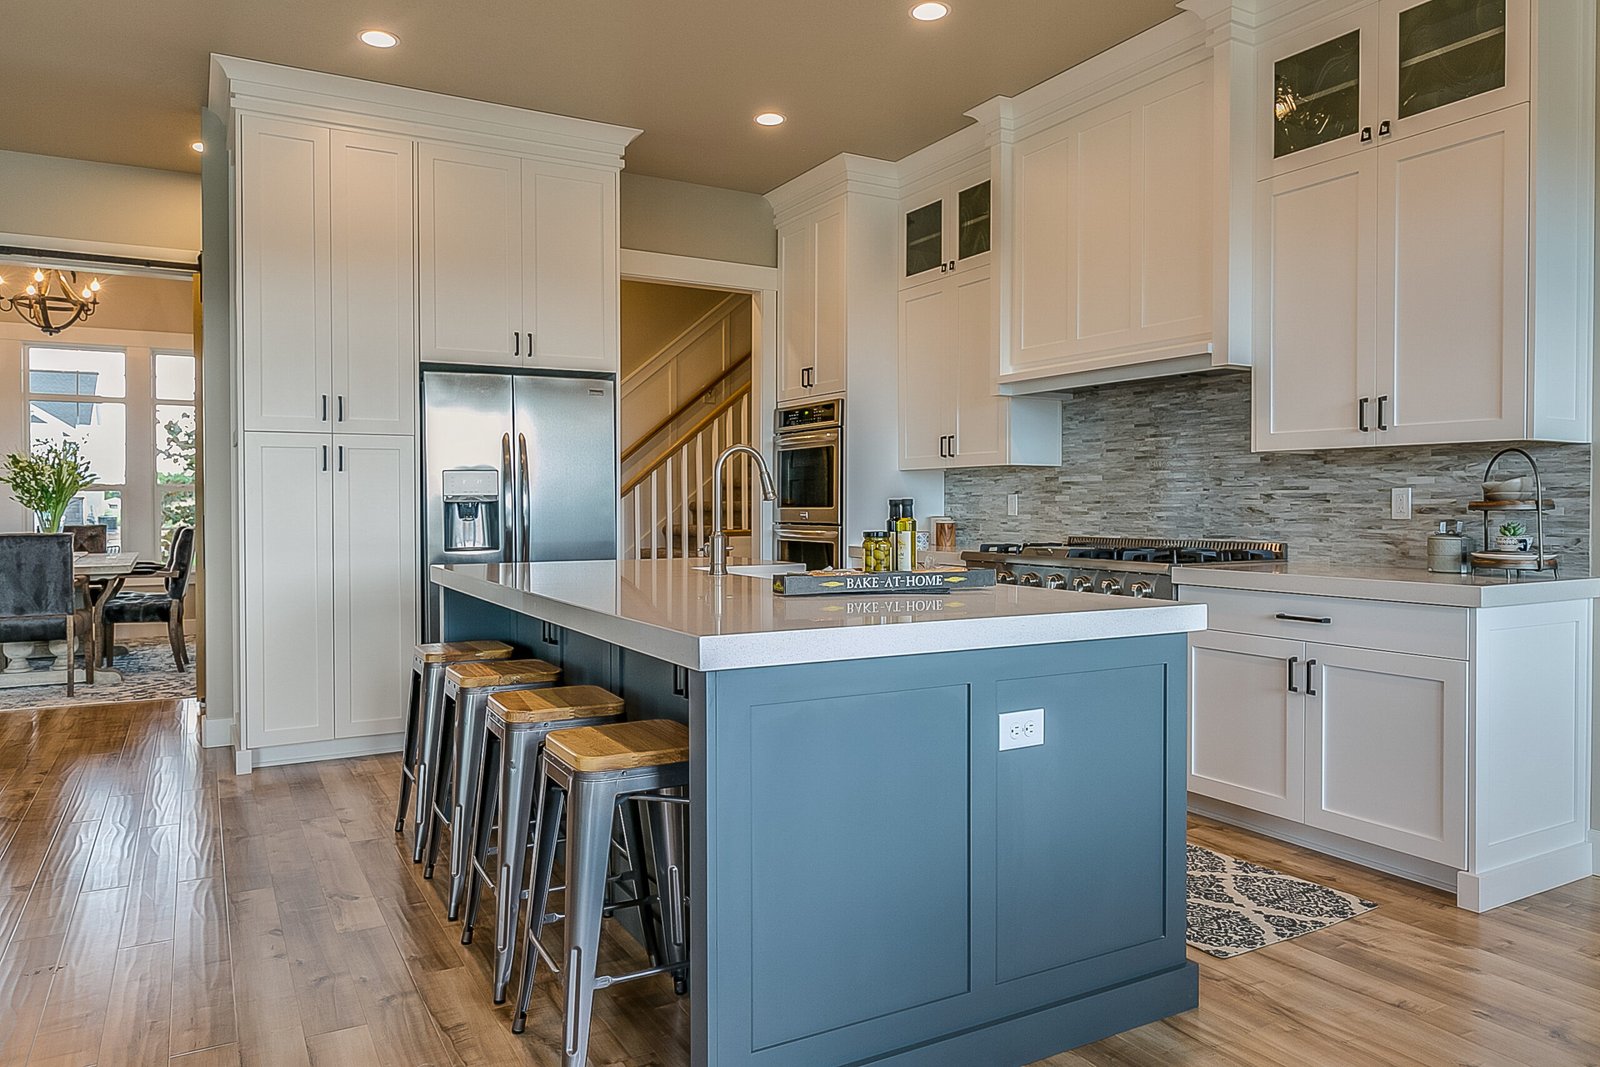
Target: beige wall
(697,220)
(74,201)
(127,302)
(653,315)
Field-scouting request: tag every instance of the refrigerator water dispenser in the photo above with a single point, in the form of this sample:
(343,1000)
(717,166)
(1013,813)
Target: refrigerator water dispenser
(471,509)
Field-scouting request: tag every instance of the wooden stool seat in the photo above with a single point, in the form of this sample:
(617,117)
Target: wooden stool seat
(478,674)
(529,706)
(457,651)
(620,746)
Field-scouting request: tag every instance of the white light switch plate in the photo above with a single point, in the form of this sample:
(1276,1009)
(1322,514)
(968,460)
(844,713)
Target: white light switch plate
(1021,729)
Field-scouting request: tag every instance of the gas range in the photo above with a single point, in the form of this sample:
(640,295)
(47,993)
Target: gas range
(1116,566)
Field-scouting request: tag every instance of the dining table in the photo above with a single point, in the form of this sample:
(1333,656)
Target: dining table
(100,575)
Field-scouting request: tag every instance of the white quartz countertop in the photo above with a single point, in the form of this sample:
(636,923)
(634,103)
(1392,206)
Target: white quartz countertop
(1397,584)
(672,611)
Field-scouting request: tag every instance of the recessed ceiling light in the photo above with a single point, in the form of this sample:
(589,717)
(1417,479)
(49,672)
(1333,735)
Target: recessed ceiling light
(769,118)
(198,146)
(379,38)
(932,11)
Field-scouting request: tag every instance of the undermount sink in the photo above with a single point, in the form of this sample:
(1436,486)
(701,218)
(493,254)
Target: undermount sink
(758,570)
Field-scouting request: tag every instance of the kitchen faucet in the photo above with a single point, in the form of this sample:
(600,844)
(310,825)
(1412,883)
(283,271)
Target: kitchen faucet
(718,545)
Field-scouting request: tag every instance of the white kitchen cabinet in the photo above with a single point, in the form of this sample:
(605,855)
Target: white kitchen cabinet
(287,595)
(1247,721)
(285,274)
(469,256)
(947,227)
(812,305)
(949,413)
(374,307)
(1443,734)
(570,286)
(1112,234)
(329,598)
(1386,750)
(1317,92)
(326,278)
(375,595)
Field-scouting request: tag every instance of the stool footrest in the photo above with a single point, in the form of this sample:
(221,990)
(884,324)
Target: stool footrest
(606,981)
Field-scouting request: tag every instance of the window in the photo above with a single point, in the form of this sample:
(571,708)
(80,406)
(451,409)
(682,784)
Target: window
(132,412)
(80,395)
(175,442)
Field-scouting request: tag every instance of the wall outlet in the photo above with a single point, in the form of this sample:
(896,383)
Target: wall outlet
(1400,503)
(1013,503)
(1021,729)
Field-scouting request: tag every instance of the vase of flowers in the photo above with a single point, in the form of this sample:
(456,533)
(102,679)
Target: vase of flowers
(45,481)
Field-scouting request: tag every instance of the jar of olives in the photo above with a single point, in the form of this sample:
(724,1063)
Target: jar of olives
(877,551)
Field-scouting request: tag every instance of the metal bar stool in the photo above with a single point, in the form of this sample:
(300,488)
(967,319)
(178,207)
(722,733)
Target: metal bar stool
(424,719)
(519,721)
(590,772)
(467,689)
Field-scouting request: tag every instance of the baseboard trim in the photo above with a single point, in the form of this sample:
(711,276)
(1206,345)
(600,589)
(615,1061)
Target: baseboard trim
(1485,890)
(215,732)
(315,751)
(1378,858)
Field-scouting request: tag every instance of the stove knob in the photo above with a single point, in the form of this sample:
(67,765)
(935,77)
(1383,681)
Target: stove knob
(1030,579)
(1082,584)
(1005,578)
(1110,587)
(1141,590)
(1055,581)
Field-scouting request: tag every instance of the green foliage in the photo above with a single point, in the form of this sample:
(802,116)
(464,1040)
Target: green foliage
(177,446)
(45,481)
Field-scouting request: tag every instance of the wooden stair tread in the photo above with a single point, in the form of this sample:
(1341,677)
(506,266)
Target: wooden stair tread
(621,746)
(502,672)
(554,704)
(459,651)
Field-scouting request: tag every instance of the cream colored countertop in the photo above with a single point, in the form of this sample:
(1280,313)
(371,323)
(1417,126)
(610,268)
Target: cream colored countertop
(672,611)
(1397,584)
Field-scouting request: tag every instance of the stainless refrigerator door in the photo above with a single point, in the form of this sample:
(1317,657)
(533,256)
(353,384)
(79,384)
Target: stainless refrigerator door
(466,422)
(566,457)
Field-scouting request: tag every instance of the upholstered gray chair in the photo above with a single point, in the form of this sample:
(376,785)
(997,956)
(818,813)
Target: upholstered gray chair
(39,600)
(165,606)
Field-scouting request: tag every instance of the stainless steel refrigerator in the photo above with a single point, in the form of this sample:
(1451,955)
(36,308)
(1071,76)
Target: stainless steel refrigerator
(516,468)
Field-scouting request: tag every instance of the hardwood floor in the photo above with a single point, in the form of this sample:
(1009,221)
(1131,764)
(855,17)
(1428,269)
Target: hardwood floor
(156,909)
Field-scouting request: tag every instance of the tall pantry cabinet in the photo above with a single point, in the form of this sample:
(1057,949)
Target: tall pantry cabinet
(361,237)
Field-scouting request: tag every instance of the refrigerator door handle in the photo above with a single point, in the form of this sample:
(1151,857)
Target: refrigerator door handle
(505,495)
(527,499)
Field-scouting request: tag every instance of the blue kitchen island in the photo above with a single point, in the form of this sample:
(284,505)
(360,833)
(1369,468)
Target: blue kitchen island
(873,880)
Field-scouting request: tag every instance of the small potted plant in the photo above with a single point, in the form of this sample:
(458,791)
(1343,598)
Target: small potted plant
(1513,538)
(46,480)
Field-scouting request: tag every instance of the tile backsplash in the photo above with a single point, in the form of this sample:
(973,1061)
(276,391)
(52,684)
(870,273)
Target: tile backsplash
(1170,457)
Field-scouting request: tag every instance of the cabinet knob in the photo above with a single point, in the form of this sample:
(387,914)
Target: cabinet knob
(1384,129)
(1366,134)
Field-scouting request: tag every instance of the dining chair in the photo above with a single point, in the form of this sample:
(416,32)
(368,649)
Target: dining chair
(39,600)
(87,538)
(165,606)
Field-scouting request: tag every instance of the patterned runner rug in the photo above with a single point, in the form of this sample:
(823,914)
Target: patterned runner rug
(1237,907)
(147,674)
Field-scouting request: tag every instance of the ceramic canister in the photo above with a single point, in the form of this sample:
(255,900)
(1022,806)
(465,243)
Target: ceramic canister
(1446,553)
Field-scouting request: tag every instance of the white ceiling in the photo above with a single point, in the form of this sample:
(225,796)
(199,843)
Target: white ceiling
(123,82)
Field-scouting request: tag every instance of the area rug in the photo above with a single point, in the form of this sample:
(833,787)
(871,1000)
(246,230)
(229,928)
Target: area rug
(1237,907)
(147,674)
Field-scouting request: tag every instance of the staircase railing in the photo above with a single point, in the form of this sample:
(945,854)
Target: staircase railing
(683,409)
(666,507)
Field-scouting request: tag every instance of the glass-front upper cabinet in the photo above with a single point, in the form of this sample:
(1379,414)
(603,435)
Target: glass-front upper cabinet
(1319,92)
(948,226)
(1448,60)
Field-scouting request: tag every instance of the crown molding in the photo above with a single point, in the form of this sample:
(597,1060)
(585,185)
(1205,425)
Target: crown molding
(844,173)
(267,88)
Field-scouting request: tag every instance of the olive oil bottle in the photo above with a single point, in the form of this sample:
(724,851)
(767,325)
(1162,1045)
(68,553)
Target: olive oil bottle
(905,538)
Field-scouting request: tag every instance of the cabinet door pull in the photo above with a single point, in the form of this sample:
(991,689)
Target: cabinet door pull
(1383,128)
(1361,420)
(324,407)
(1366,134)
(341,459)
(324,457)
(516,343)
(1383,423)
(530,344)
(1304,618)
(944,268)
(952,446)
(1310,663)
(1292,661)
(341,407)
(952,264)
(941,447)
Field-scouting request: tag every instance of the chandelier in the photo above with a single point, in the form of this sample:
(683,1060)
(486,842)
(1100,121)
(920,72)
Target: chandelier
(53,300)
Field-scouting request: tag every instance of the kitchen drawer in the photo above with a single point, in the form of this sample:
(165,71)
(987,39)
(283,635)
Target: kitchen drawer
(1420,629)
